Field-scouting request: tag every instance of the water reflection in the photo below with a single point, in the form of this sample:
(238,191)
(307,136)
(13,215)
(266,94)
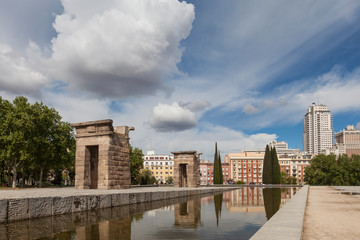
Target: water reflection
(244,212)
(272,199)
(188,214)
(218,200)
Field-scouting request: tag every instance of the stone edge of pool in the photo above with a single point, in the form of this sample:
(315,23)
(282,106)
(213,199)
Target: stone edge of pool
(287,223)
(23,208)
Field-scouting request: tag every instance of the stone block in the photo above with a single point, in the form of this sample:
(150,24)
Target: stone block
(62,205)
(105,201)
(80,203)
(136,198)
(3,210)
(157,196)
(93,202)
(148,197)
(120,199)
(18,209)
(40,207)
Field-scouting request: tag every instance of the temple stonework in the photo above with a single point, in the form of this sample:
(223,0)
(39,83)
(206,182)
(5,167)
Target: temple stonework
(186,169)
(102,155)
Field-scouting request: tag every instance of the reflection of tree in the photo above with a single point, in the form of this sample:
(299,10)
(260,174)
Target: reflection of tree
(272,199)
(218,199)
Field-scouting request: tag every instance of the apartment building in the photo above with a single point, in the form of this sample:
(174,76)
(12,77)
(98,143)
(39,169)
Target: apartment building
(161,165)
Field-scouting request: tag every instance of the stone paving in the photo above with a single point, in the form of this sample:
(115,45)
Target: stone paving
(330,214)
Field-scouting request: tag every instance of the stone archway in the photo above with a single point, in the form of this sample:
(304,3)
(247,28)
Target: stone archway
(102,155)
(186,169)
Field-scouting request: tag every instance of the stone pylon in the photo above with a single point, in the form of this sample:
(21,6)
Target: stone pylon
(186,169)
(102,155)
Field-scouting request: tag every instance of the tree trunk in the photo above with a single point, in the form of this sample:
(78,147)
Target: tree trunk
(14,178)
(41,177)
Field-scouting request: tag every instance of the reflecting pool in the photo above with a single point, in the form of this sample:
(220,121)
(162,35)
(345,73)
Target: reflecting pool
(236,214)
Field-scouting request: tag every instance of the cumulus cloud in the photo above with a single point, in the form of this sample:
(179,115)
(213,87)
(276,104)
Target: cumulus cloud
(250,109)
(358,126)
(168,118)
(119,48)
(17,73)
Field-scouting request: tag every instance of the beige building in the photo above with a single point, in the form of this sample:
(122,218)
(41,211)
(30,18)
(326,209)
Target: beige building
(247,166)
(161,165)
(348,141)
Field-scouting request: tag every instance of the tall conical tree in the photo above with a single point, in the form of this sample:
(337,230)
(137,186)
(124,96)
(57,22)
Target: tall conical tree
(217,167)
(275,167)
(267,167)
(221,171)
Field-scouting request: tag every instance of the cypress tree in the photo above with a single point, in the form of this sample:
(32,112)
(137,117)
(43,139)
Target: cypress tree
(267,167)
(216,166)
(218,178)
(221,172)
(275,167)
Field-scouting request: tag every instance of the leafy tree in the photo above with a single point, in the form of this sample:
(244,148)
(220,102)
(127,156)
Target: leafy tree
(34,139)
(170,180)
(332,170)
(286,179)
(136,163)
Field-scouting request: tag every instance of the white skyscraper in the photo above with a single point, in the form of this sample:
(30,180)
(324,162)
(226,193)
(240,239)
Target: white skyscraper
(318,129)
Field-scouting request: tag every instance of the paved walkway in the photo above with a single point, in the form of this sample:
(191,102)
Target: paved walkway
(332,215)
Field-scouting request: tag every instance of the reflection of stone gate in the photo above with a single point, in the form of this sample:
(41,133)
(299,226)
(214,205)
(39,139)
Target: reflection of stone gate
(188,214)
(186,169)
(102,155)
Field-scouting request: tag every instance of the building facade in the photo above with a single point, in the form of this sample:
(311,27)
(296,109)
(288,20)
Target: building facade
(348,141)
(318,129)
(207,172)
(247,166)
(160,165)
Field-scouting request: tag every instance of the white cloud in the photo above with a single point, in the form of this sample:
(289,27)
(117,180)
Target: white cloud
(167,118)
(358,126)
(196,105)
(119,48)
(17,75)
(250,109)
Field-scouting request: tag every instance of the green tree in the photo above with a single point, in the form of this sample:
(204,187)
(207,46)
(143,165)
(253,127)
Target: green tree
(286,179)
(267,169)
(136,163)
(218,178)
(275,167)
(332,170)
(170,180)
(33,138)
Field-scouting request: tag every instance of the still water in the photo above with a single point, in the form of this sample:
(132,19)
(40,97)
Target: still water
(236,214)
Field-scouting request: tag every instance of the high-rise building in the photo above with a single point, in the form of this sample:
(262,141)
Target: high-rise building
(318,129)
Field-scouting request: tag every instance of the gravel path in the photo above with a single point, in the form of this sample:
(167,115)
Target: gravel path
(332,215)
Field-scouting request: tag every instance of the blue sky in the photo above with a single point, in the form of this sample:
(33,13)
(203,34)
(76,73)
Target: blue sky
(186,74)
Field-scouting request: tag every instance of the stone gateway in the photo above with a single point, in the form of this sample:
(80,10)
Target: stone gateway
(102,155)
(186,169)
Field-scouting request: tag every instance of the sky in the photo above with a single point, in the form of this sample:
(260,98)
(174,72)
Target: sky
(186,74)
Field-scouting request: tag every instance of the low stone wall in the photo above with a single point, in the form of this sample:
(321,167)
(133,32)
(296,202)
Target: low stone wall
(22,208)
(287,223)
